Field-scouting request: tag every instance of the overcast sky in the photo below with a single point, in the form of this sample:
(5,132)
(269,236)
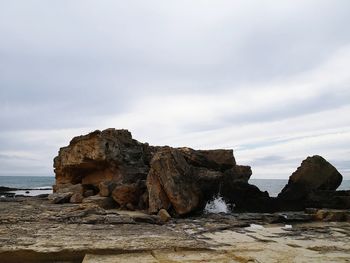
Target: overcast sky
(269,79)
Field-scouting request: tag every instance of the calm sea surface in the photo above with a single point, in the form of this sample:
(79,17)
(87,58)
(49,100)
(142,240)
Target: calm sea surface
(273,186)
(39,184)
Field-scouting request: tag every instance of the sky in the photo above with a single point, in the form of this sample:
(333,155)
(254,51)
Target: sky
(268,79)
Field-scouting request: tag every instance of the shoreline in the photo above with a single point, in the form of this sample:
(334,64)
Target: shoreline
(34,230)
(13,192)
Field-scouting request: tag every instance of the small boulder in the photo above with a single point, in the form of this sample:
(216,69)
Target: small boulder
(60,198)
(164,215)
(76,191)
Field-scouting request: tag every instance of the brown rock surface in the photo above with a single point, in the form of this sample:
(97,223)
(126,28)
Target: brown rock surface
(185,179)
(110,155)
(211,159)
(76,198)
(241,173)
(68,187)
(110,163)
(106,188)
(99,157)
(59,198)
(128,194)
(103,202)
(314,174)
(164,215)
(331,215)
(34,230)
(175,179)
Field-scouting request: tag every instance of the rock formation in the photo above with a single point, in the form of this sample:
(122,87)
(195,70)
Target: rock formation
(111,169)
(102,161)
(314,173)
(313,184)
(185,179)
(136,175)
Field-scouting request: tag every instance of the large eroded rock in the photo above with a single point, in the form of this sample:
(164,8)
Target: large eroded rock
(314,174)
(111,163)
(111,166)
(102,156)
(184,179)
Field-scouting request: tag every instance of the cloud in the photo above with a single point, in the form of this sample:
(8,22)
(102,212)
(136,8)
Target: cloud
(268,79)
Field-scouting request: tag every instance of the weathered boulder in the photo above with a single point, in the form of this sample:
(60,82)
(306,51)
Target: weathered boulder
(109,155)
(314,174)
(100,160)
(175,182)
(184,179)
(110,164)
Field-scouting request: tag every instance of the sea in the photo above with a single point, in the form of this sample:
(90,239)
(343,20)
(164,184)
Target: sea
(33,185)
(43,184)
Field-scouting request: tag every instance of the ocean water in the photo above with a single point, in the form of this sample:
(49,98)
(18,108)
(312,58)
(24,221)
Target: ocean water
(37,184)
(272,186)
(27,182)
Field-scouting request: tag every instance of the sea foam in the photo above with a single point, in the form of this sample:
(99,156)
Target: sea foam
(217,205)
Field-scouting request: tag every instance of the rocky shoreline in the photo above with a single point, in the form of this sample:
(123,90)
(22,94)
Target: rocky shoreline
(35,230)
(111,168)
(118,200)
